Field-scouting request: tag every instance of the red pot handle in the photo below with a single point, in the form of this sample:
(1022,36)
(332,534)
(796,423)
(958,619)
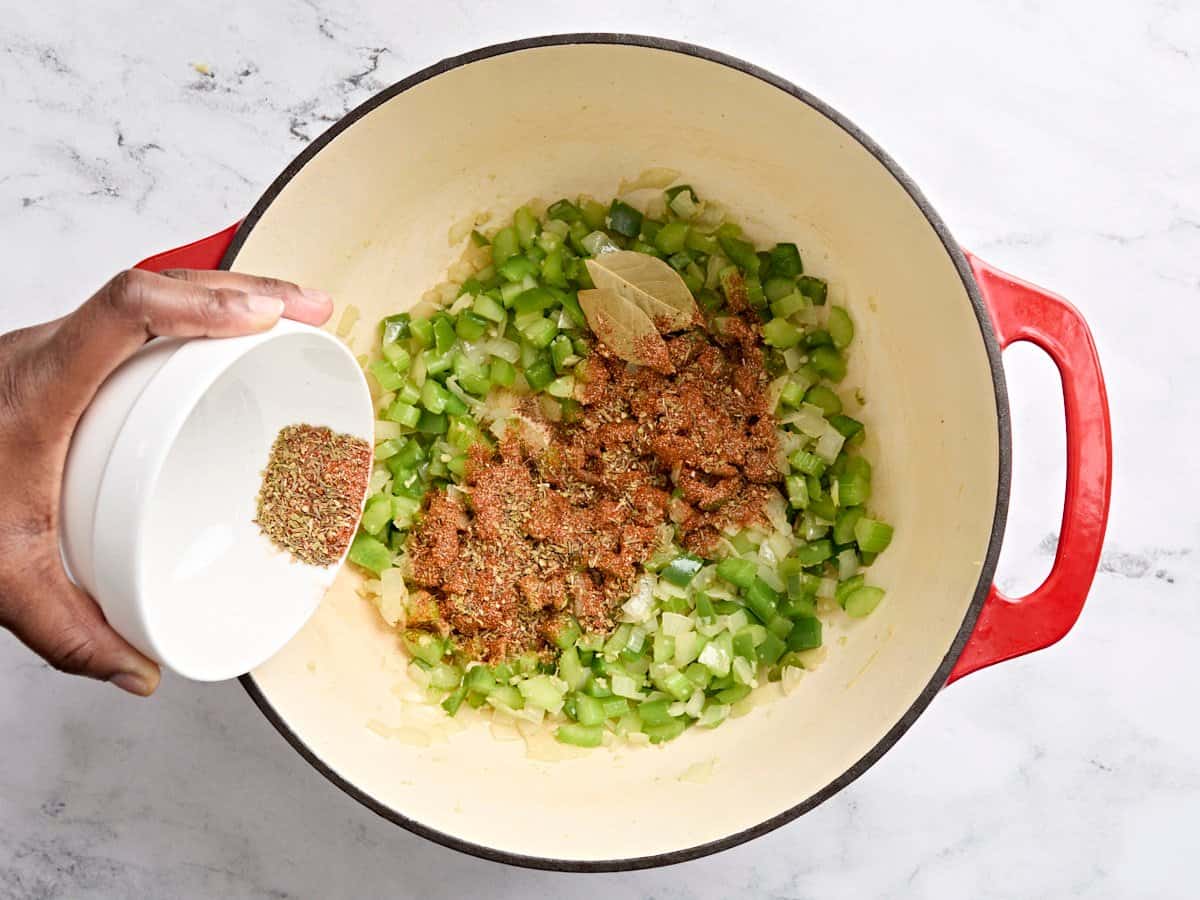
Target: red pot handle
(205,253)
(1011,627)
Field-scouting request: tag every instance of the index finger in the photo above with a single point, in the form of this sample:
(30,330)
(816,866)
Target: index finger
(307,305)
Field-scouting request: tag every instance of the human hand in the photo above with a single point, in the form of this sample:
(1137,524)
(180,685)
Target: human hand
(49,373)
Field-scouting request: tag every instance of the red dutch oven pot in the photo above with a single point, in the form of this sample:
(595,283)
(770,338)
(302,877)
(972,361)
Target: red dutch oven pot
(364,212)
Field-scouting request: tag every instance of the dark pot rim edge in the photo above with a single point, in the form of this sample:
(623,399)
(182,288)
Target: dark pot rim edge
(1003,476)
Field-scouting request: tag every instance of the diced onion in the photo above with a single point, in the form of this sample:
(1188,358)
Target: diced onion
(416,374)
(453,386)
(637,608)
(347,320)
(781,542)
(598,242)
(769,575)
(463,227)
(379,477)
(684,206)
(774,389)
(793,357)
(809,419)
(394,596)
(806,316)
(776,510)
(829,444)
(790,679)
(664,590)
(735,621)
(847,564)
(714,715)
(418,675)
(656,207)
(460,271)
(657,177)
(503,348)
(711,215)
(743,671)
(837,293)
(674,624)
(387,431)
(712,275)
(713,658)
(624,686)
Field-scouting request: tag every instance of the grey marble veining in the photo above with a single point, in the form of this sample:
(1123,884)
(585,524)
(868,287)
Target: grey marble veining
(1058,142)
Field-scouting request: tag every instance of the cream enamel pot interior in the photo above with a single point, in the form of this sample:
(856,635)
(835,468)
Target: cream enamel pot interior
(364,213)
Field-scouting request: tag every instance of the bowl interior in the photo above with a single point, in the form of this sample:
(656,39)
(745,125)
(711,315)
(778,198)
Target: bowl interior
(367,218)
(218,597)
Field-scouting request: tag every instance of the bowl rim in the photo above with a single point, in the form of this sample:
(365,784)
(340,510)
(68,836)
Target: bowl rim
(135,464)
(991,347)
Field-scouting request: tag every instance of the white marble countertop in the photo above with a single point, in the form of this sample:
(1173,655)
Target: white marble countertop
(1059,144)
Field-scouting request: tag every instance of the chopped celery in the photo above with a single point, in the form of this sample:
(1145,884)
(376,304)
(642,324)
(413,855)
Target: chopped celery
(781,333)
(667,731)
(654,712)
(503,372)
(863,601)
(370,553)
(505,245)
(376,514)
(827,400)
(386,375)
(843,527)
(840,326)
(872,535)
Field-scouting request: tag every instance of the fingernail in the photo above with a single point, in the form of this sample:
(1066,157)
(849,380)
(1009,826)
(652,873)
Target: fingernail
(316,296)
(264,307)
(133,683)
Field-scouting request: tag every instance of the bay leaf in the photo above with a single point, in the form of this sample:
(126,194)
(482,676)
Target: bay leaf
(648,283)
(624,328)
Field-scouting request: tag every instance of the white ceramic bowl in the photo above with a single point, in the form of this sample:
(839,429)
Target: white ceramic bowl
(160,487)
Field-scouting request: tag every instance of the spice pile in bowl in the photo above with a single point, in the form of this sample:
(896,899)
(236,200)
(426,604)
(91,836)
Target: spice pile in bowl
(312,491)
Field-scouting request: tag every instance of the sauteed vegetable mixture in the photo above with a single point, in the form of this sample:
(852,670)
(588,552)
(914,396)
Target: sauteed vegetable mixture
(616,487)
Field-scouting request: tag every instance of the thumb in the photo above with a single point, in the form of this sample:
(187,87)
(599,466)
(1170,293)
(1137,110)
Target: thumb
(136,306)
(66,628)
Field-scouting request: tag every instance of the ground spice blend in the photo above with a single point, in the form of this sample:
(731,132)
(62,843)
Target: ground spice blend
(312,492)
(559,518)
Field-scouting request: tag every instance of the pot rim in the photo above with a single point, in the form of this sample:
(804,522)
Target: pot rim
(991,347)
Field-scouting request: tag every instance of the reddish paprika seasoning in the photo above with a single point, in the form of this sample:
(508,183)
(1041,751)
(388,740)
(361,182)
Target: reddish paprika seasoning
(559,518)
